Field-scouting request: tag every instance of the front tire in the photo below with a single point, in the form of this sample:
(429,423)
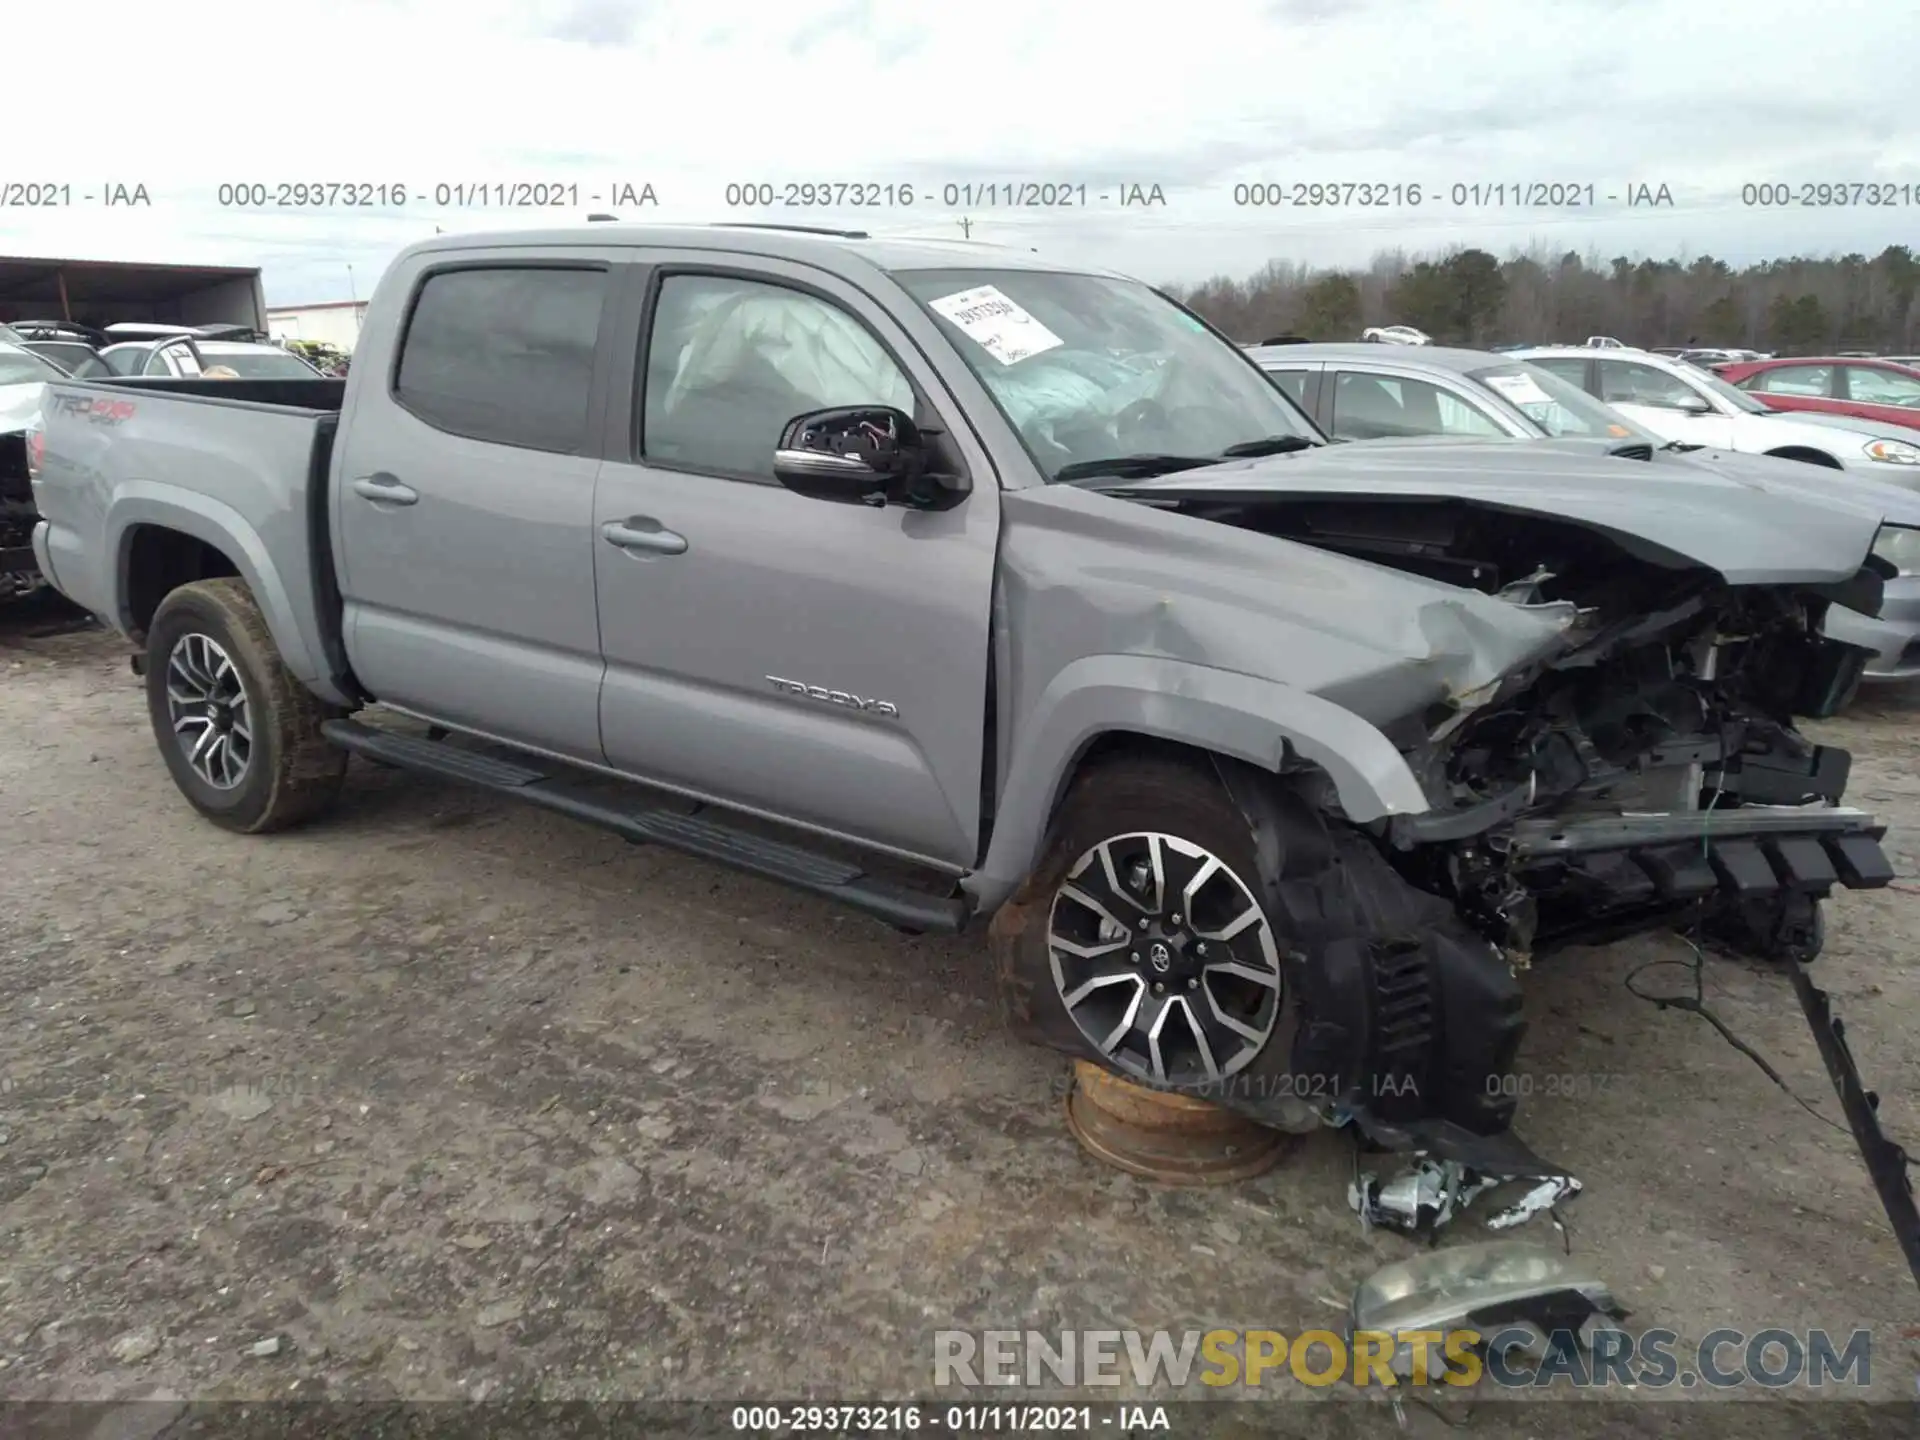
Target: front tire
(1342,989)
(1157,948)
(1135,843)
(240,735)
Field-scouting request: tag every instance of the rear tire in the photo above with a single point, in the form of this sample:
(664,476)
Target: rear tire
(240,735)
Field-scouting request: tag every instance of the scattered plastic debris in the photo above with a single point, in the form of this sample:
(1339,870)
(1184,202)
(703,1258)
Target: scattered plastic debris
(1543,1196)
(1428,1196)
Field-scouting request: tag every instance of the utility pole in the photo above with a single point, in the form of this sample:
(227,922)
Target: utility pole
(966,227)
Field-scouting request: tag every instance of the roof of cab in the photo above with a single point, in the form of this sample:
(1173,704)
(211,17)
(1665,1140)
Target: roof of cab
(1418,357)
(842,252)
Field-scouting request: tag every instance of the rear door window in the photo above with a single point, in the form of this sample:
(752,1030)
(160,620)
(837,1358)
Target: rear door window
(1376,407)
(1626,382)
(504,354)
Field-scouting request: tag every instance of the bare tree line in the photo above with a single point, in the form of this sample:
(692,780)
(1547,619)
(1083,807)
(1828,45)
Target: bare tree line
(1541,295)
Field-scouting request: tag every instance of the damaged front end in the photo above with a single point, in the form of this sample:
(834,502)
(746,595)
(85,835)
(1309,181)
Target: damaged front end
(1641,772)
(1649,776)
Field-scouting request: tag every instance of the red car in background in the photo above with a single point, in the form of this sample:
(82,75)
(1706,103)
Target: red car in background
(1879,390)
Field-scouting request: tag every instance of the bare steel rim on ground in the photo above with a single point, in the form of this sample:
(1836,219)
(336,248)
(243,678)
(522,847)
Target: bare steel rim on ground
(1158,1135)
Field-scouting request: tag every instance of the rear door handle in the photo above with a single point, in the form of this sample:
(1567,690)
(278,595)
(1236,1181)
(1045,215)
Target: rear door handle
(384,489)
(643,532)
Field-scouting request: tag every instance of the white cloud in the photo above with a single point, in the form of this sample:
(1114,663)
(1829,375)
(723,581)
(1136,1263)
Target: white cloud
(1195,98)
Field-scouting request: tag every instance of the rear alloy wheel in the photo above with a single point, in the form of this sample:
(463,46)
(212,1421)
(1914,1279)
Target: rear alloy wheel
(207,703)
(240,735)
(1164,960)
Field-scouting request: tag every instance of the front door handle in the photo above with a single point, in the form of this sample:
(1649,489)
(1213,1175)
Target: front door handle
(643,532)
(384,489)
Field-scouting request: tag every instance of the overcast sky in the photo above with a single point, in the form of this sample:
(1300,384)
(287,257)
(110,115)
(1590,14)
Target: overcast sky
(1702,96)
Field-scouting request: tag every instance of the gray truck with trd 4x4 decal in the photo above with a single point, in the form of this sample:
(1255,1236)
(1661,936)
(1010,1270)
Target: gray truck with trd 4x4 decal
(953,583)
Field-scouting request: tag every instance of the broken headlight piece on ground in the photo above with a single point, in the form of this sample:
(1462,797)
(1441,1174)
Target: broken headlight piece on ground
(1521,1299)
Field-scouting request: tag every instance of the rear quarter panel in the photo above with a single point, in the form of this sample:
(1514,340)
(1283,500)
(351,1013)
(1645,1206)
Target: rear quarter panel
(231,473)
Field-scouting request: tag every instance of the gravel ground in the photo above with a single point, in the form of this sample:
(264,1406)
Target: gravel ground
(453,1099)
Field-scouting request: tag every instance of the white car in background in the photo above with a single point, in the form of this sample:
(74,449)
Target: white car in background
(23,374)
(1686,405)
(181,355)
(1395,335)
(1369,395)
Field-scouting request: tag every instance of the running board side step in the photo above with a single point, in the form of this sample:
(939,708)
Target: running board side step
(803,869)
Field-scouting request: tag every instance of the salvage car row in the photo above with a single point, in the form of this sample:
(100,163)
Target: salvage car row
(33,352)
(1638,405)
(964,587)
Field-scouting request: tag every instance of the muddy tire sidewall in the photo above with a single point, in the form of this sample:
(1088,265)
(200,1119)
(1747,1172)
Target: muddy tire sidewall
(291,771)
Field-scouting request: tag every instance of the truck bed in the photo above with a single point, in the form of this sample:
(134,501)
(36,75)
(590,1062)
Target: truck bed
(319,394)
(240,465)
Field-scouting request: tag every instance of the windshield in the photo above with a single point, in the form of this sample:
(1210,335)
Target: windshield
(1092,370)
(23,367)
(264,364)
(1558,407)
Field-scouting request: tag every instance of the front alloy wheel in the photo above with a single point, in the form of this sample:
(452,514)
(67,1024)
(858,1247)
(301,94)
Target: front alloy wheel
(207,705)
(1164,959)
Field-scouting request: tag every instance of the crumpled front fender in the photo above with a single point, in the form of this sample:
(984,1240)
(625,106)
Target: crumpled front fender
(1260,721)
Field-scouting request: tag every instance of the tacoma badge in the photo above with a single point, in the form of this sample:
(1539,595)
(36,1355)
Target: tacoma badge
(884,708)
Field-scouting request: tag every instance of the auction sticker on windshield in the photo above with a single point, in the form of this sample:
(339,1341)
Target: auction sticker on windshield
(1520,389)
(996,324)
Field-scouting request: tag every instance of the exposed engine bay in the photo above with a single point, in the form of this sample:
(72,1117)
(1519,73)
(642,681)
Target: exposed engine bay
(1647,774)
(18,571)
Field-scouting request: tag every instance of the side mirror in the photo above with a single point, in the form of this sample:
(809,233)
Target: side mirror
(1693,405)
(861,454)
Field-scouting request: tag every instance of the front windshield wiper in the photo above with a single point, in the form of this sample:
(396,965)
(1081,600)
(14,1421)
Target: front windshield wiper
(1271,445)
(1133,467)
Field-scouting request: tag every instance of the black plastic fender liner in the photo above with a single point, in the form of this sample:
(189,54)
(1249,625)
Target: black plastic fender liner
(1886,1162)
(1407,1016)
(1504,1154)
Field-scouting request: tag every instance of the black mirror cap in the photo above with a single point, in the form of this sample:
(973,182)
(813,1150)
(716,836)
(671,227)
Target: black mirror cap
(860,454)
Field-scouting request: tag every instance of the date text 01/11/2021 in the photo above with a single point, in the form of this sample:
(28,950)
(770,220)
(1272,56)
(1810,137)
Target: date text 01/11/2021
(971,1419)
(1458,195)
(458,195)
(61,194)
(952,195)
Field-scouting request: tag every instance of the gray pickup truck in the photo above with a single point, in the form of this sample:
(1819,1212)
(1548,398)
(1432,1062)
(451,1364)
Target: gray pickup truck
(954,583)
